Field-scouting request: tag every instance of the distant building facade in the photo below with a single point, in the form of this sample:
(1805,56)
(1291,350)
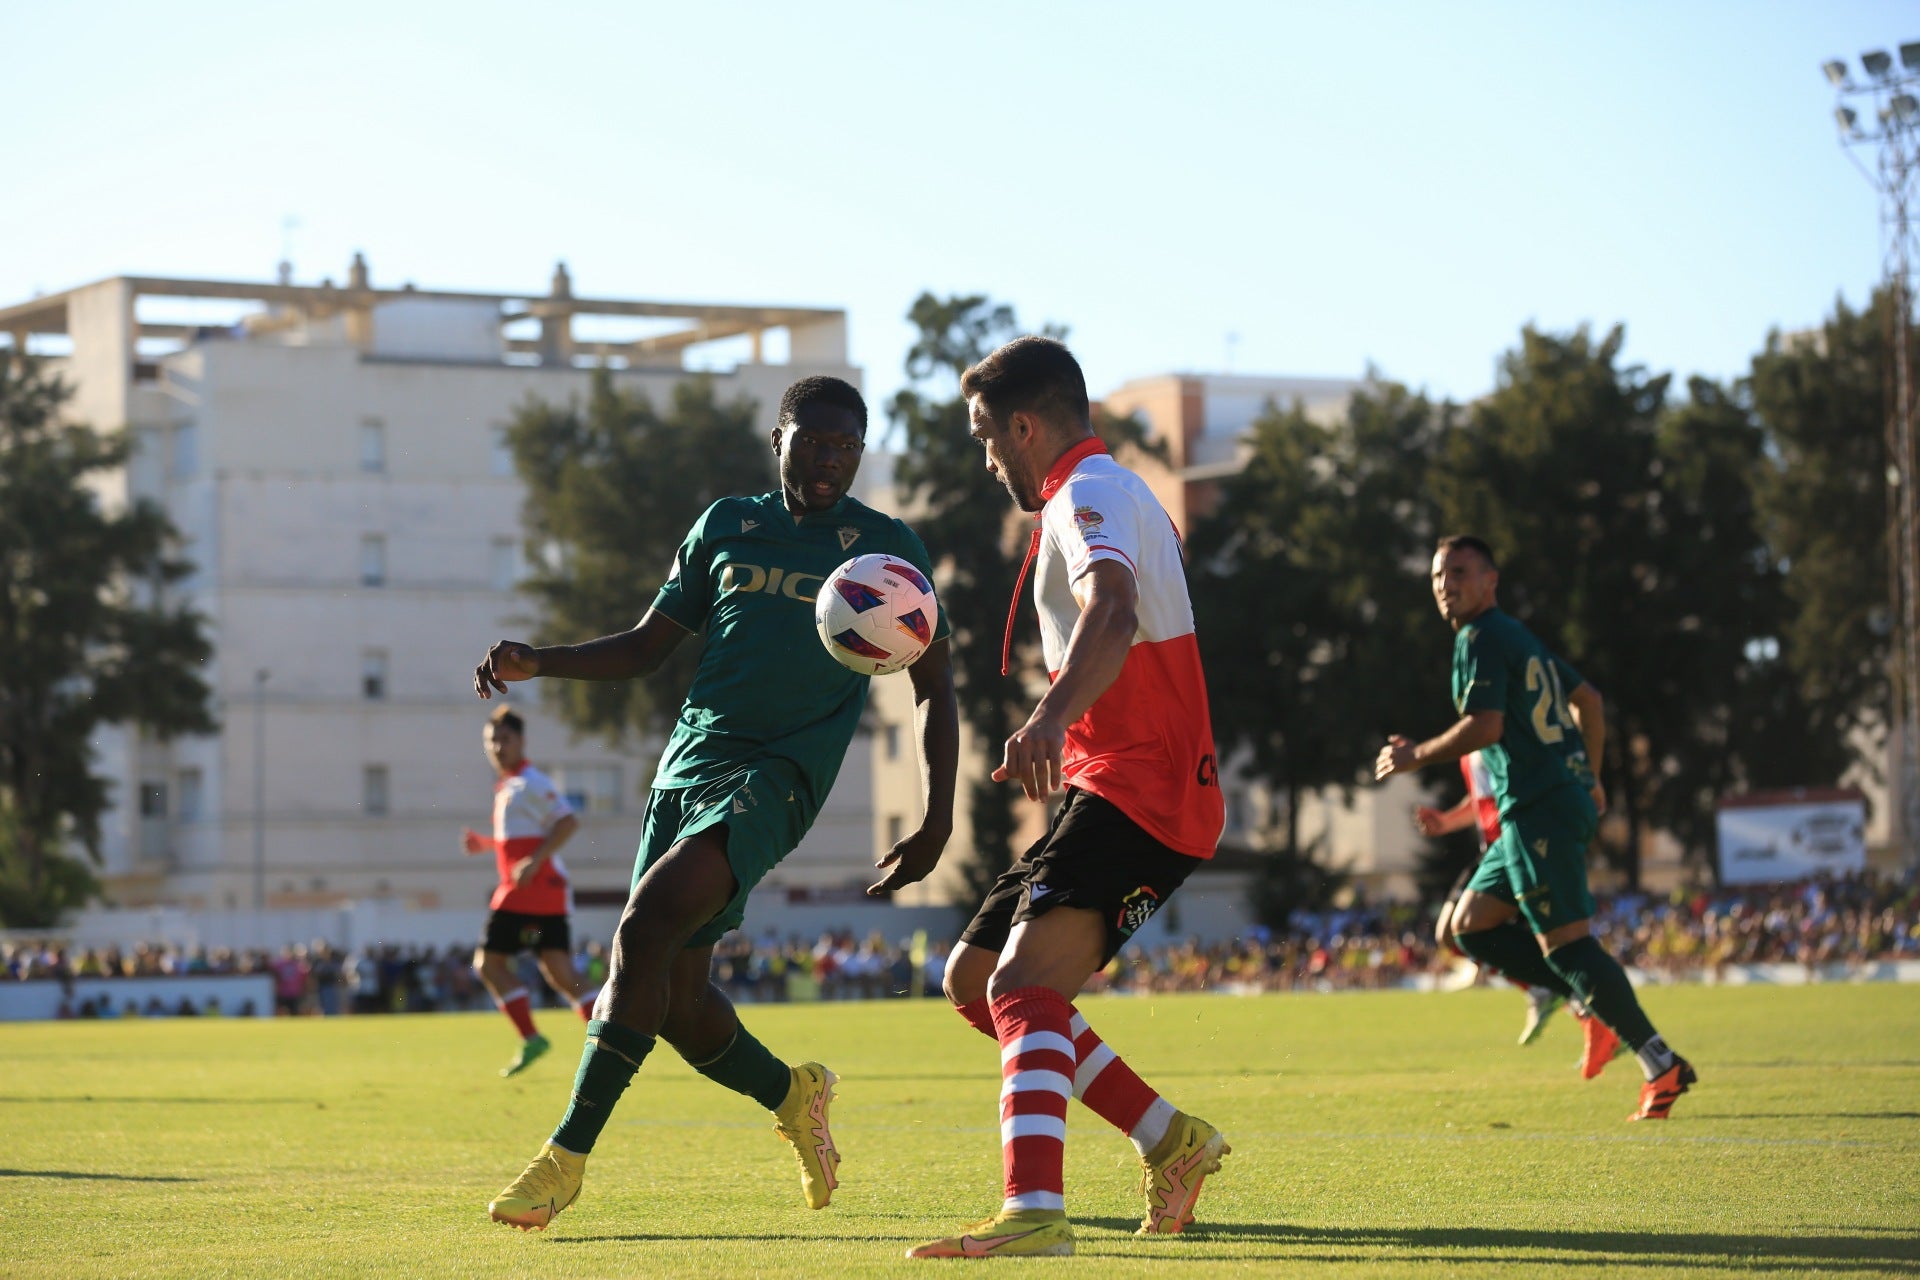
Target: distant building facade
(336,463)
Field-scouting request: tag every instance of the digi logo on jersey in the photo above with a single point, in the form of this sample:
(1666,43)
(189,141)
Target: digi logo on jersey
(776,581)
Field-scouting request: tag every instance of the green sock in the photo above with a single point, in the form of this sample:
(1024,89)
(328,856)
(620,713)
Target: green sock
(607,1064)
(1513,951)
(1600,981)
(745,1066)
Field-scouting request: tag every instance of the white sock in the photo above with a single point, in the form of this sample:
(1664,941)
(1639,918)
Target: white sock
(1655,1058)
(1153,1126)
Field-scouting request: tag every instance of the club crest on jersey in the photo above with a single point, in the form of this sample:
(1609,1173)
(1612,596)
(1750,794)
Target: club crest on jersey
(848,537)
(1087,518)
(1134,910)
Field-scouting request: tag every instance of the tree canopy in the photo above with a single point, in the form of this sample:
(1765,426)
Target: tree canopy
(93,637)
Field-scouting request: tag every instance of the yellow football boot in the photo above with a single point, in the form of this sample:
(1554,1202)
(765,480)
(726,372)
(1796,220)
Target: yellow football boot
(1172,1173)
(802,1121)
(1011,1233)
(536,1197)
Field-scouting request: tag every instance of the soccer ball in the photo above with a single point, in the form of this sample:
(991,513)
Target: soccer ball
(875,614)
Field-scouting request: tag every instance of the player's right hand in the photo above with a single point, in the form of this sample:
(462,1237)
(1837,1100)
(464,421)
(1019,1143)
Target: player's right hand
(473,842)
(507,660)
(1599,794)
(1426,821)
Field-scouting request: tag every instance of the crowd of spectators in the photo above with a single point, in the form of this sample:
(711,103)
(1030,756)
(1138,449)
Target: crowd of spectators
(1847,921)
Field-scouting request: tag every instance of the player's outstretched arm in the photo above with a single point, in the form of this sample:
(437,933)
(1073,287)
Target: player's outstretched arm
(1469,733)
(936,716)
(628,654)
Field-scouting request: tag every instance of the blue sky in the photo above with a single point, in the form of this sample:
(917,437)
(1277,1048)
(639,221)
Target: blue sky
(1397,184)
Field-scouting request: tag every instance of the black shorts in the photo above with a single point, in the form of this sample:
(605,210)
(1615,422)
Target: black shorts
(511,932)
(1094,857)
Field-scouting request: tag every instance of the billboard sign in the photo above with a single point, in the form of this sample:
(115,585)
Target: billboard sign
(1766,837)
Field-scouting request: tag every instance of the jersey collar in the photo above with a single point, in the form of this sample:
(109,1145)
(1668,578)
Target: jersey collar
(1063,465)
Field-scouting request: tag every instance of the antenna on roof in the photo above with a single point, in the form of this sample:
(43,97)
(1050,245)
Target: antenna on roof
(284,272)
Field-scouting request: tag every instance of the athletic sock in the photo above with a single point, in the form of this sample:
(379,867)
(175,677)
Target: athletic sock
(1604,987)
(1101,1079)
(1510,948)
(745,1066)
(519,1010)
(584,1006)
(612,1054)
(1111,1090)
(1036,1074)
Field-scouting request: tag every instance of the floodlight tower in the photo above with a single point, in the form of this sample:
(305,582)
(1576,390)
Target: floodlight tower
(1892,132)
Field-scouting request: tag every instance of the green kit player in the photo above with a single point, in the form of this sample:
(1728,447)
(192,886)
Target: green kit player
(1537,724)
(751,758)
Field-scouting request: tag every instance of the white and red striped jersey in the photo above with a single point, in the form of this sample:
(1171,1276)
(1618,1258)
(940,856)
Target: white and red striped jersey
(526,805)
(1486,806)
(1146,744)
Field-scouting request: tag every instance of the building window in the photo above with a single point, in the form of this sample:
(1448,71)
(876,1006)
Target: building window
(590,788)
(896,828)
(192,795)
(501,457)
(504,564)
(373,561)
(373,445)
(153,799)
(186,451)
(893,742)
(373,790)
(373,674)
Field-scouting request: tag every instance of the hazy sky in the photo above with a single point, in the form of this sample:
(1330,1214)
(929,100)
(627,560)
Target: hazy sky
(1404,185)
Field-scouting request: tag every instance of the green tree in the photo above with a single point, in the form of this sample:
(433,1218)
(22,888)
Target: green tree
(1822,401)
(91,639)
(1309,599)
(613,484)
(975,538)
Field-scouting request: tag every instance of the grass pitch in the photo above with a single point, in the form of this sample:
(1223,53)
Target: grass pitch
(1390,1134)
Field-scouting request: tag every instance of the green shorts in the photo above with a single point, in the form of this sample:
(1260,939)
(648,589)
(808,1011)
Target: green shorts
(1540,861)
(765,811)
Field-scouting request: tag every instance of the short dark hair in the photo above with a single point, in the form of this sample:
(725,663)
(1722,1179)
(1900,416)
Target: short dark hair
(1457,541)
(1032,375)
(505,717)
(821,389)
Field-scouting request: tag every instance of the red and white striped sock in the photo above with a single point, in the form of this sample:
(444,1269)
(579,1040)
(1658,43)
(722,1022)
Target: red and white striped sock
(1112,1090)
(584,1006)
(519,1011)
(1036,1079)
(1101,1079)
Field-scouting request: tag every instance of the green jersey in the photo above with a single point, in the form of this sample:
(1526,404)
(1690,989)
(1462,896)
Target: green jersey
(766,688)
(1499,665)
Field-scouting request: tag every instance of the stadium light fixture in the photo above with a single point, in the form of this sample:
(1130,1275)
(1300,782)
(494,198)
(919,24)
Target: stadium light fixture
(1837,71)
(1877,63)
(1910,55)
(1848,120)
(1904,108)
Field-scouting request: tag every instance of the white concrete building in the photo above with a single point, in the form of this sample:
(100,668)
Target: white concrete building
(333,456)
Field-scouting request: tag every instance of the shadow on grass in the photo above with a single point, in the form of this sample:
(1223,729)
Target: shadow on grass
(69,1174)
(1868,1247)
(171,1102)
(1811,1115)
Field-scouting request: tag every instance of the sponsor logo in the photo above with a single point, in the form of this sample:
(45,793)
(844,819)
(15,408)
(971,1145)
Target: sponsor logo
(1134,910)
(1208,775)
(748,525)
(848,537)
(1036,892)
(739,576)
(1540,848)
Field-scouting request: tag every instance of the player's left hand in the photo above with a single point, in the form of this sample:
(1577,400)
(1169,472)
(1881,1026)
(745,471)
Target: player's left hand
(909,862)
(1033,757)
(1395,757)
(1599,794)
